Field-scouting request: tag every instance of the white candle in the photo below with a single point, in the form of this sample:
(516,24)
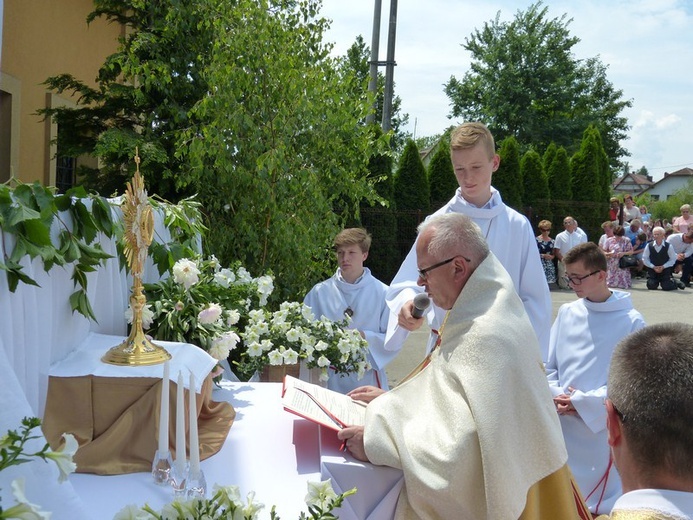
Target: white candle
(163,414)
(180,425)
(194,442)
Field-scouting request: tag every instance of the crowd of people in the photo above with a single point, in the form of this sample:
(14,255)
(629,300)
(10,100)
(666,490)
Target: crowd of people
(632,242)
(510,415)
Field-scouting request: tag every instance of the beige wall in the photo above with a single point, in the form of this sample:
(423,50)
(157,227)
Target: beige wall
(42,38)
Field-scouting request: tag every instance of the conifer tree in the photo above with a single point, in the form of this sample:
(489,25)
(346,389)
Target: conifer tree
(441,175)
(412,195)
(587,169)
(548,157)
(536,186)
(508,178)
(559,176)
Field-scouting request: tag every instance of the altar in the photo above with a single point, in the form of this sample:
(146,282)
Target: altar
(268,451)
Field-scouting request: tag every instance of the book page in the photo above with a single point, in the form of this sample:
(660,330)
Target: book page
(339,409)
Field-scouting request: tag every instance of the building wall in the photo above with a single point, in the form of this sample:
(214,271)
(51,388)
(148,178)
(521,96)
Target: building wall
(667,186)
(41,39)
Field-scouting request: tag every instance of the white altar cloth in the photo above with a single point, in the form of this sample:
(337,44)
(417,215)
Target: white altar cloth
(85,360)
(269,451)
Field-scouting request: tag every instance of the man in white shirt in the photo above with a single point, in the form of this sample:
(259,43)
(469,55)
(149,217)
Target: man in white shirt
(683,246)
(649,417)
(659,258)
(565,241)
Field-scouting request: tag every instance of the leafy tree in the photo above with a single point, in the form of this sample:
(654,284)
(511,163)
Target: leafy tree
(536,186)
(548,157)
(559,176)
(508,178)
(144,94)
(358,58)
(412,195)
(441,175)
(241,103)
(524,81)
(279,159)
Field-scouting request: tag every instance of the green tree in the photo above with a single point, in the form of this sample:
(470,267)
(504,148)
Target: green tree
(508,178)
(241,103)
(441,175)
(524,81)
(548,157)
(412,195)
(278,157)
(380,220)
(536,186)
(559,176)
(586,167)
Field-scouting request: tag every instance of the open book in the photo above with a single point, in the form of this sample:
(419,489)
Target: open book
(320,405)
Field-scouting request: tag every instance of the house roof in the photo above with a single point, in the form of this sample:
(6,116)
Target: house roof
(641,181)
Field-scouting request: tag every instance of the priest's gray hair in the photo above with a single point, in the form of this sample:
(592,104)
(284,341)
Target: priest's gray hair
(455,234)
(650,384)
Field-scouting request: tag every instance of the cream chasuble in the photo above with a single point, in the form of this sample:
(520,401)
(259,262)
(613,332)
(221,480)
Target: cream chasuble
(476,429)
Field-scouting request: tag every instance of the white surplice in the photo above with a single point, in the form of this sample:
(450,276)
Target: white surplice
(476,428)
(511,239)
(583,337)
(366,299)
(663,504)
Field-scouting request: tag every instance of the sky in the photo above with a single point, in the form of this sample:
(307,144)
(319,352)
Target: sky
(645,44)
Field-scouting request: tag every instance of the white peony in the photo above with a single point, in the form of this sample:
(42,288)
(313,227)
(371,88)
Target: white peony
(210,314)
(186,273)
(232,317)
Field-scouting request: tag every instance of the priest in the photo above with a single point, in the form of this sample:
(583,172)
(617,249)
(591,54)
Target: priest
(473,428)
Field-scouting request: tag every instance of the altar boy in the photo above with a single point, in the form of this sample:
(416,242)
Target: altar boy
(352,291)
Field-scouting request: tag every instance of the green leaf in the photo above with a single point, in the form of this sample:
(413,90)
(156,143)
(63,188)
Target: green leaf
(80,303)
(19,213)
(15,275)
(37,232)
(84,222)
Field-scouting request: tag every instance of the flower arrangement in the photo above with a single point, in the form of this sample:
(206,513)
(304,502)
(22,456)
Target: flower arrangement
(227,503)
(292,333)
(13,452)
(202,303)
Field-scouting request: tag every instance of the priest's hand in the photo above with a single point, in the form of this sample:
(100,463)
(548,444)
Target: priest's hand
(406,320)
(353,437)
(365,393)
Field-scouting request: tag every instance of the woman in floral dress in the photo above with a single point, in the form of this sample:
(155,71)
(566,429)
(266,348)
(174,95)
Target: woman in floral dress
(616,247)
(546,244)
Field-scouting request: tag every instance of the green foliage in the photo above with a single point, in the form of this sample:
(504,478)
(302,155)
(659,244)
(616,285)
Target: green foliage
(525,81)
(441,175)
(411,196)
(588,167)
(277,156)
(29,213)
(549,155)
(559,176)
(12,444)
(536,185)
(508,178)
(380,220)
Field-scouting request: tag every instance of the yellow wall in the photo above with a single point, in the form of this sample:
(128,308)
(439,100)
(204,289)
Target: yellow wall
(42,38)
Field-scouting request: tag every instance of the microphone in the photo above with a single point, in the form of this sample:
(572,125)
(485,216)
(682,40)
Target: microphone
(421,303)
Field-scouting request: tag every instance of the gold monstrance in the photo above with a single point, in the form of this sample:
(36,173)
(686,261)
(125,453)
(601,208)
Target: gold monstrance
(137,350)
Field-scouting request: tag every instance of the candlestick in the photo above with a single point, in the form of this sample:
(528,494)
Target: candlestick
(194,442)
(180,423)
(196,487)
(161,465)
(180,470)
(163,416)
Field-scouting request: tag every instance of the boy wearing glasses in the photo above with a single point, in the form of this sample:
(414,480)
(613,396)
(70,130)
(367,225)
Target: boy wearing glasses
(509,235)
(583,336)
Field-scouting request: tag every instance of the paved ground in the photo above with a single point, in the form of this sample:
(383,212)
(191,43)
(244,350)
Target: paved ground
(656,306)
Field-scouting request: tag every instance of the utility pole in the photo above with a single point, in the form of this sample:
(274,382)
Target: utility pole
(390,68)
(375,49)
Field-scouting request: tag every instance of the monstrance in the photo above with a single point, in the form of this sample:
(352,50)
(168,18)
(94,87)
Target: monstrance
(137,350)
